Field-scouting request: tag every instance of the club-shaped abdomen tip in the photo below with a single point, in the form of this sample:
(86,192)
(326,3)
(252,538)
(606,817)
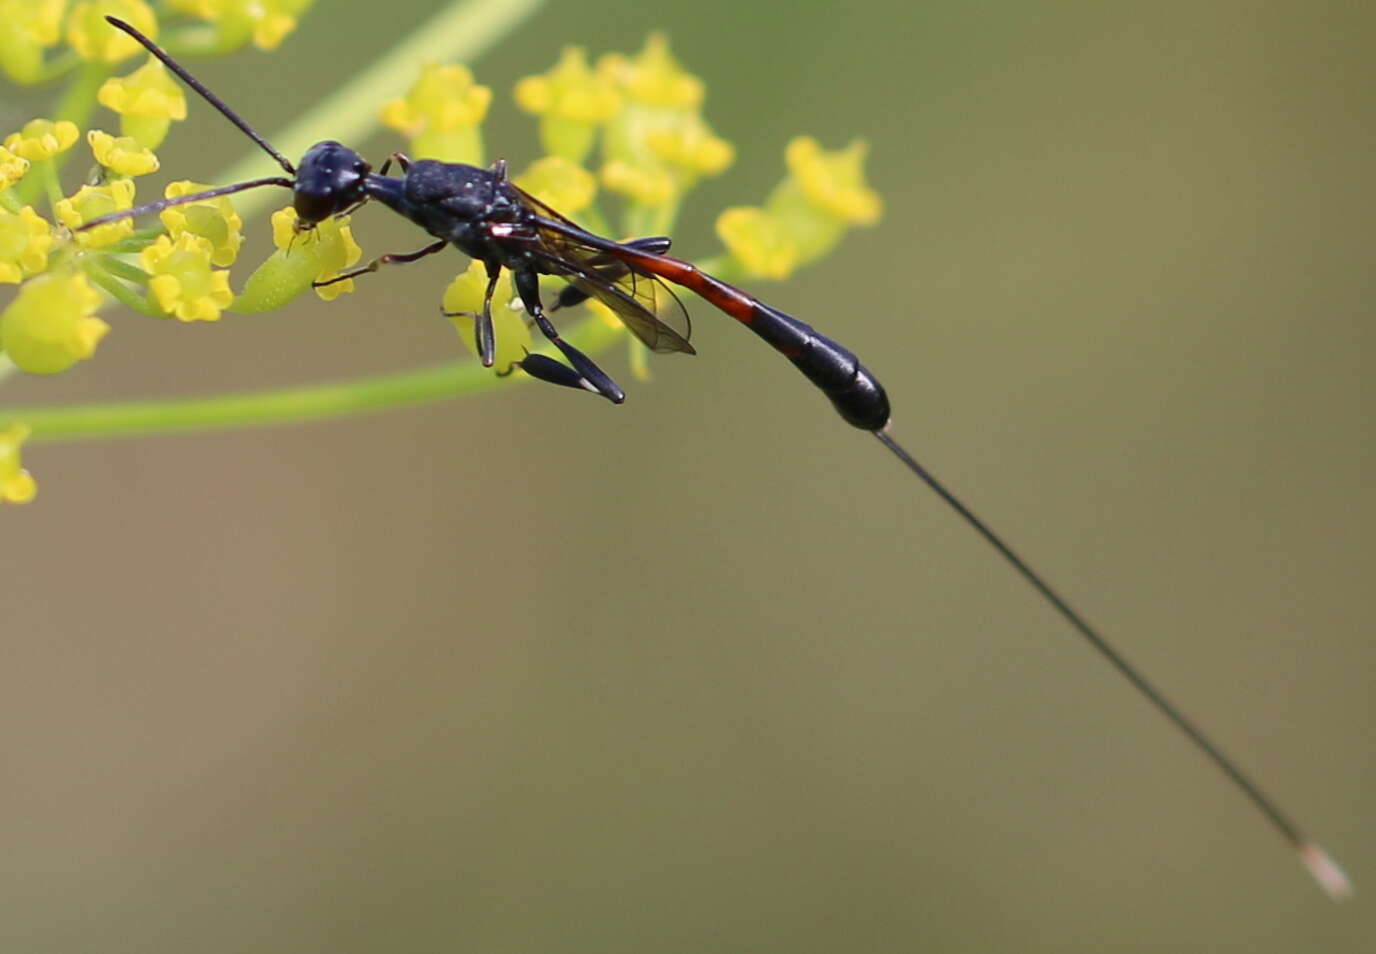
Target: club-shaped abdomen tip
(862,402)
(1325,871)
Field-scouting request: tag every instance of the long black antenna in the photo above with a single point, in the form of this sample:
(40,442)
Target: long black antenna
(228,113)
(206,94)
(1324,870)
(161,204)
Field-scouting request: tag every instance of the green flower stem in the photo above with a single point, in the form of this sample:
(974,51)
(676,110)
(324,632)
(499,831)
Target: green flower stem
(120,269)
(287,406)
(46,170)
(57,67)
(116,289)
(134,243)
(461,31)
(79,98)
(10,202)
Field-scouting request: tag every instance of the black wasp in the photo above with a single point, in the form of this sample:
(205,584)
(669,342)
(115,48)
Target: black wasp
(488,218)
(485,216)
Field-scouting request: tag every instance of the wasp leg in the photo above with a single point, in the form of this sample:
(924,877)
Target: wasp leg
(485,339)
(547,369)
(593,378)
(390,259)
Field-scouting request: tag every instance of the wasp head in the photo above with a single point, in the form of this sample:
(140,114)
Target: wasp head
(329,180)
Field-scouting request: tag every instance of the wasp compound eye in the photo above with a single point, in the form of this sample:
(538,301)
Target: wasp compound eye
(313,207)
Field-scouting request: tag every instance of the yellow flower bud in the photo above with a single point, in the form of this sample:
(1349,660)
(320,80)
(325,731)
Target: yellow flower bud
(12,168)
(653,77)
(91,202)
(824,195)
(691,147)
(29,26)
(761,244)
(267,22)
(182,282)
(50,325)
(42,139)
(147,100)
(336,251)
(441,114)
(572,101)
(464,298)
(94,39)
(122,155)
(16,484)
(560,184)
(25,238)
(212,219)
(835,181)
(647,186)
(302,257)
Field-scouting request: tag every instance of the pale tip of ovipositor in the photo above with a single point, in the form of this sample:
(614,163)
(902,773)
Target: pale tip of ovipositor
(1325,871)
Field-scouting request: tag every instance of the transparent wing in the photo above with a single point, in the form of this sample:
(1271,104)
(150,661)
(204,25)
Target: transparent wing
(645,305)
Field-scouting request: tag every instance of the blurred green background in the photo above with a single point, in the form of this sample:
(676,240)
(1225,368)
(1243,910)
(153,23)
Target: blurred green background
(708,671)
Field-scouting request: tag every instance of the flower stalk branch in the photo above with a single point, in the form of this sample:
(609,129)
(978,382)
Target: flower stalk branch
(282,406)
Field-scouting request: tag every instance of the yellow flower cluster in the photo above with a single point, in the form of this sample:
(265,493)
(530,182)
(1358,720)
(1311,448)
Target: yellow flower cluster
(631,126)
(41,139)
(30,29)
(824,195)
(50,325)
(442,115)
(64,271)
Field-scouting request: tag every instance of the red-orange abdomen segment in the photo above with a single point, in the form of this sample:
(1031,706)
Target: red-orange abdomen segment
(855,393)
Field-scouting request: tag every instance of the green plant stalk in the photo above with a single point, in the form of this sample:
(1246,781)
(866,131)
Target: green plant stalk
(134,243)
(58,67)
(116,289)
(122,269)
(284,406)
(45,171)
